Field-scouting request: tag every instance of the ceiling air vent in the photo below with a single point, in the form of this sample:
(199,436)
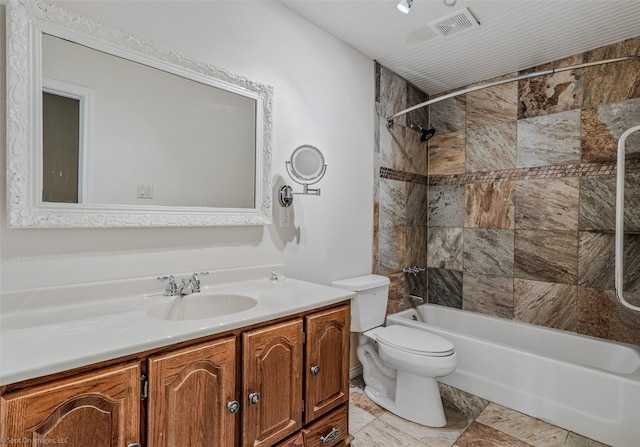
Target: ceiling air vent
(454,23)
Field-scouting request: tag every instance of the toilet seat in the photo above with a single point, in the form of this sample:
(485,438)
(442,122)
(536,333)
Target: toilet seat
(414,341)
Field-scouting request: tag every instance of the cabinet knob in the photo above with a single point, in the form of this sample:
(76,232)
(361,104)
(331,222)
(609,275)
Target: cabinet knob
(254,398)
(134,444)
(233,406)
(315,370)
(331,436)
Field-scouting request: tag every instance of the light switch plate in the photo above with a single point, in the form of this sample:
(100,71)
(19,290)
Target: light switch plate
(145,191)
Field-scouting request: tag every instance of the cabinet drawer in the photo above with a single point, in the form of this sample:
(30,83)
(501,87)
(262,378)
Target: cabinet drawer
(324,432)
(296,440)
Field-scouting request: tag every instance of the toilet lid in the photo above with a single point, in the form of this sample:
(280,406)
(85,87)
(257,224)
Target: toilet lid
(414,341)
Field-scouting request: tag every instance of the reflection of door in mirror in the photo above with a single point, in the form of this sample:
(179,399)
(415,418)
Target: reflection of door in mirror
(66,134)
(60,139)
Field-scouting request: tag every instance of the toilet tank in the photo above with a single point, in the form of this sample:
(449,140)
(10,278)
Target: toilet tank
(369,307)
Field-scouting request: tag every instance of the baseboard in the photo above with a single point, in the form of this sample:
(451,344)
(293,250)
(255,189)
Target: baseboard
(355,371)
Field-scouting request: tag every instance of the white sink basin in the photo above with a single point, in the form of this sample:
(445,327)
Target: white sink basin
(202,305)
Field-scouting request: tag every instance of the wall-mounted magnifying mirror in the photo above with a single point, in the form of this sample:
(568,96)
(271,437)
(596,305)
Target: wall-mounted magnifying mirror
(306,167)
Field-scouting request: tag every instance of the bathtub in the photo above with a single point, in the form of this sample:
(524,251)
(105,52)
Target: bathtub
(583,384)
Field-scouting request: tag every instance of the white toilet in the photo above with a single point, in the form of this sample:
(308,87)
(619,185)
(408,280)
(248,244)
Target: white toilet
(399,364)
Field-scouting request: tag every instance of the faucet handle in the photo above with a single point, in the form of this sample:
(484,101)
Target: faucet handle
(195,281)
(172,287)
(412,270)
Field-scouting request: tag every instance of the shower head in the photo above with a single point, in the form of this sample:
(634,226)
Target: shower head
(426,133)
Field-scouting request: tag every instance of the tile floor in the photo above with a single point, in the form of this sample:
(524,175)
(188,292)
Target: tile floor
(493,426)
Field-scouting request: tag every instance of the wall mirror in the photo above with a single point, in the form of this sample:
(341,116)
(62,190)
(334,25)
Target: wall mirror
(107,130)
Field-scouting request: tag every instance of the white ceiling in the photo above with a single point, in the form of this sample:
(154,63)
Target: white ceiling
(513,34)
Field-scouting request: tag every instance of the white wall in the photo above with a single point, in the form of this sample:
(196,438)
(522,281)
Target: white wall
(324,96)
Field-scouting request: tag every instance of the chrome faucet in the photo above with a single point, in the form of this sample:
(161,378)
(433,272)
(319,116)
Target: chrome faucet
(183,285)
(186,286)
(172,287)
(195,281)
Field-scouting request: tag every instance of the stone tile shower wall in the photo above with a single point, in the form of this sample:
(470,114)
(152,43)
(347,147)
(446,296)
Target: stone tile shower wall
(400,189)
(521,198)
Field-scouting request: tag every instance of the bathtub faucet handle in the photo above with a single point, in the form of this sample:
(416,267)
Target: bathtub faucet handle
(412,270)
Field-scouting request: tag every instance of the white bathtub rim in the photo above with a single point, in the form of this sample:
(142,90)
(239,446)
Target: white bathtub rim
(632,376)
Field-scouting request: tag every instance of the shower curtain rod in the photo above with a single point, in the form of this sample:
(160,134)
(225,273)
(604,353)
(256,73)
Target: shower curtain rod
(504,81)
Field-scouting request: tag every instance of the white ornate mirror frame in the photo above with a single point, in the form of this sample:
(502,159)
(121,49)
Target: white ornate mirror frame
(26,22)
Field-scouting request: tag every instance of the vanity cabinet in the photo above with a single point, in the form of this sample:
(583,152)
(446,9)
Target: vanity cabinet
(326,381)
(293,387)
(98,409)
(190,393)
(326,361)
(272,383)
(267,385)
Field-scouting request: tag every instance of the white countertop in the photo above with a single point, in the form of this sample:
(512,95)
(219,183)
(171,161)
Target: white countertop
(47,331)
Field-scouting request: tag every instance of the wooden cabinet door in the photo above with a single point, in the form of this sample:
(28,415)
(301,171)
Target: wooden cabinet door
(189,393)
(327,361)
(272,376)
(98,409)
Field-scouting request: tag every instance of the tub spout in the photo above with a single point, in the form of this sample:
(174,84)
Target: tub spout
(415,301)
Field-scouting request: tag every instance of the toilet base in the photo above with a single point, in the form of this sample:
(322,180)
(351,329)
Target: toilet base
(417,400)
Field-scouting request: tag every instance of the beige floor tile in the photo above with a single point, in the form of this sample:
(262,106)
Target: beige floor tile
(575,440)
(358,419)
(359,399)
(380,434)
(495,426)
(520,426)
(433,437)
(480,435)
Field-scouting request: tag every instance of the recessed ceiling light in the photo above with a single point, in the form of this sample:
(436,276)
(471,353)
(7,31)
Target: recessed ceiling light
(405,5)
